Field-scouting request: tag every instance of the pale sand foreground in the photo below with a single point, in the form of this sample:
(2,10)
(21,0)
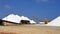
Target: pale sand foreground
(30,29)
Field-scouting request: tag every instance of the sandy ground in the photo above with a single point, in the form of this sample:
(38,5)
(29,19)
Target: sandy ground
(29,29)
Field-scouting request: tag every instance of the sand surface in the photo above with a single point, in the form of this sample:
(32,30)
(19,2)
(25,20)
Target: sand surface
(29,29)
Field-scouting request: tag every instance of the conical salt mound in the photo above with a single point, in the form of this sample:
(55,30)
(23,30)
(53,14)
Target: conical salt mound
(55,22)
(12,18)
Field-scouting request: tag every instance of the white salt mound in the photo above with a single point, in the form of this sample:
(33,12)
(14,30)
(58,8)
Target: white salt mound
(55,22)
(41,22)
(12,18)
(17,18)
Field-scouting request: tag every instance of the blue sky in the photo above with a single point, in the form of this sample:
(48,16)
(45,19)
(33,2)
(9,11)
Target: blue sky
(43,9)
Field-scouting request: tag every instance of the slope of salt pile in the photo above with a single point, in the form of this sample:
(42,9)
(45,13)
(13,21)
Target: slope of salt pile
(55,22)
(12,18)
(26,18)
(32,21)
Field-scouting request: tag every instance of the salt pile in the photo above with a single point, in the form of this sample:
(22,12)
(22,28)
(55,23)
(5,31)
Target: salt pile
(12,18)
(55,22)
(17,18)
(41,22)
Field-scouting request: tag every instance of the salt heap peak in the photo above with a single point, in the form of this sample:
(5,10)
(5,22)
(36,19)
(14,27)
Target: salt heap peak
(55,22)
(24,18)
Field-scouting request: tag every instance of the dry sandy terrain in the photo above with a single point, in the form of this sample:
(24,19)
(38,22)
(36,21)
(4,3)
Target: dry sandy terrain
(29,29)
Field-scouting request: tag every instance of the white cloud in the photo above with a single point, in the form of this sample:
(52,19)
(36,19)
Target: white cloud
(49,1)
(7,7)
(37,0)
(42,0)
